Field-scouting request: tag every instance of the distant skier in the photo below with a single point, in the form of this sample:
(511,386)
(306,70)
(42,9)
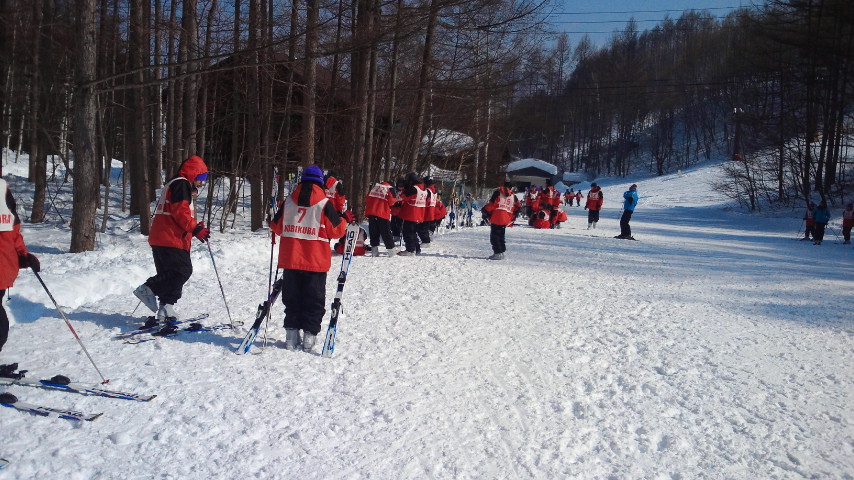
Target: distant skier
(847,223)
(821,215)
(630,201)
(595,199)
(578,197)
(378,205)
(306,221)
(501,210)
(172,231)
(809,222)
(13,257)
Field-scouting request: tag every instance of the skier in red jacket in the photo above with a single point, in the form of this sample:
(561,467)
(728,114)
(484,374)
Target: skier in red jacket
(378,205)
(595,199)
(415,198)
(172,231)
(501,210)
(306,221)
(13,256)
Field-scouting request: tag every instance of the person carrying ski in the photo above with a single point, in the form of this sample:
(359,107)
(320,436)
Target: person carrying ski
(595,198)
(847,223)
(630,201)
(378,205)
(821,215)
(809,222)
(306,221)
(13,257)
(501,210)
(172,230)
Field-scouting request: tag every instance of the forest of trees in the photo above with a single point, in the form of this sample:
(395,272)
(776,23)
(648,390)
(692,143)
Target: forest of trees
(774,85)
(259,87)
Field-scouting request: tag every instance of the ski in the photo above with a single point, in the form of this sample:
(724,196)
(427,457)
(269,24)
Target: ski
(263,310)
(335,309)
(144,330)
(163,332)
(11,401)
(3,463)
(60,382)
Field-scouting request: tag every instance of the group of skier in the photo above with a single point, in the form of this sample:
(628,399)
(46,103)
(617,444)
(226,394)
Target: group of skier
(816,218)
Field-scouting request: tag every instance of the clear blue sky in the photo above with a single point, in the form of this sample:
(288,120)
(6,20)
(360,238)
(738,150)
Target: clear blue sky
(600,18)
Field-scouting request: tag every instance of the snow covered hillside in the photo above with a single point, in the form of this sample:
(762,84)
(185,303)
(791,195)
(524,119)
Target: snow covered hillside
(716,346)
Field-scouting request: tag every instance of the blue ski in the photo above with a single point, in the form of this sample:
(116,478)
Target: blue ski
(263,310)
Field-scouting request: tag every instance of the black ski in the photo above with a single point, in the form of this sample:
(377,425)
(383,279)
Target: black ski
(263,310)
(60,382)
(172,330)
(11,401)
(347,258)
(156,327)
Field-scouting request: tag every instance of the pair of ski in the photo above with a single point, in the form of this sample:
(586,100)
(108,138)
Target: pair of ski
(60,382)
(147,334)
(332,329)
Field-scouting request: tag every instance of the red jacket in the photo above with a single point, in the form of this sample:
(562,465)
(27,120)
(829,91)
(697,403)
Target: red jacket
(333,190)
(595,199)
(415,200)
(306,221)
(174,220)
(379,200)
(11,241)
(542,220)
(502,207)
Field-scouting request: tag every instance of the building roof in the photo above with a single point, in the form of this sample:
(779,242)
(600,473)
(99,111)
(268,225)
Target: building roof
(531,167)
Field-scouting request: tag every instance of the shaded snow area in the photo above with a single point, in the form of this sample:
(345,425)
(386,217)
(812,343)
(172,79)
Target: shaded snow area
(717,346)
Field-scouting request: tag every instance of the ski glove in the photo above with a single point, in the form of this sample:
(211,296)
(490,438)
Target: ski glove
(201,232)
(29,261)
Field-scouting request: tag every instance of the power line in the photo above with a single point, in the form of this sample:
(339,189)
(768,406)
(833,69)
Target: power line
(646,11)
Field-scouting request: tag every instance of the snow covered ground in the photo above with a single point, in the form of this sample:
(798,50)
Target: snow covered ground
(716,346)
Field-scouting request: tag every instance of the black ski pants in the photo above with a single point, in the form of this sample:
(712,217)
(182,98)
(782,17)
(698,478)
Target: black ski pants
(4,322)
(846,235)
(380,227)
(818,234)
(174,268)
(304,296)
(396,226)
(410,236)
(592,216)
(625,229)
(423,231)
(496,238)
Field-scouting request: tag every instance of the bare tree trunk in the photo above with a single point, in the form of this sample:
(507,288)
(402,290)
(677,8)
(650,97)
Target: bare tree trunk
(155,99)
(423,84)
(137,155)
(38,160)
(86,186)
(190,52)
(310,96)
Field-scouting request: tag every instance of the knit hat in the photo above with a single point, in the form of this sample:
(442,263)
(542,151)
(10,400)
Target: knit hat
(312,173)
(633,187)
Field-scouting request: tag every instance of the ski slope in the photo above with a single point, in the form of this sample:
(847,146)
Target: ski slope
(716,346)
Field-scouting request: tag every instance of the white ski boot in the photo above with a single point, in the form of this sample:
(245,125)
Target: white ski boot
(308,341)
(147,297)
(291,339)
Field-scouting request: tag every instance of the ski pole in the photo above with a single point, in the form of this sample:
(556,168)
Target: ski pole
(221,290)
(68,322)
(270,286)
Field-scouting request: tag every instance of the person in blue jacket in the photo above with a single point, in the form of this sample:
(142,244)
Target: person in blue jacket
(821,215)
(630,201)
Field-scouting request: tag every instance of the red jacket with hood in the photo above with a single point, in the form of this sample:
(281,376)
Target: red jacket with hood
(306,221)
(174,220)
(379,200)
(595,198)
(502,207)
(11,241)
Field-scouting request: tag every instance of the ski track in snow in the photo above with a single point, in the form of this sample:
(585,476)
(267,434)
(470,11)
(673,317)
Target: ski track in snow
(714,347)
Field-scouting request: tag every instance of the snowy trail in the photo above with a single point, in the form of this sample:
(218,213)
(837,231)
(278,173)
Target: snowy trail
(714,347)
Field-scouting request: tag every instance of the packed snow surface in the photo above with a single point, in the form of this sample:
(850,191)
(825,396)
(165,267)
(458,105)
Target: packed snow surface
(716,346)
